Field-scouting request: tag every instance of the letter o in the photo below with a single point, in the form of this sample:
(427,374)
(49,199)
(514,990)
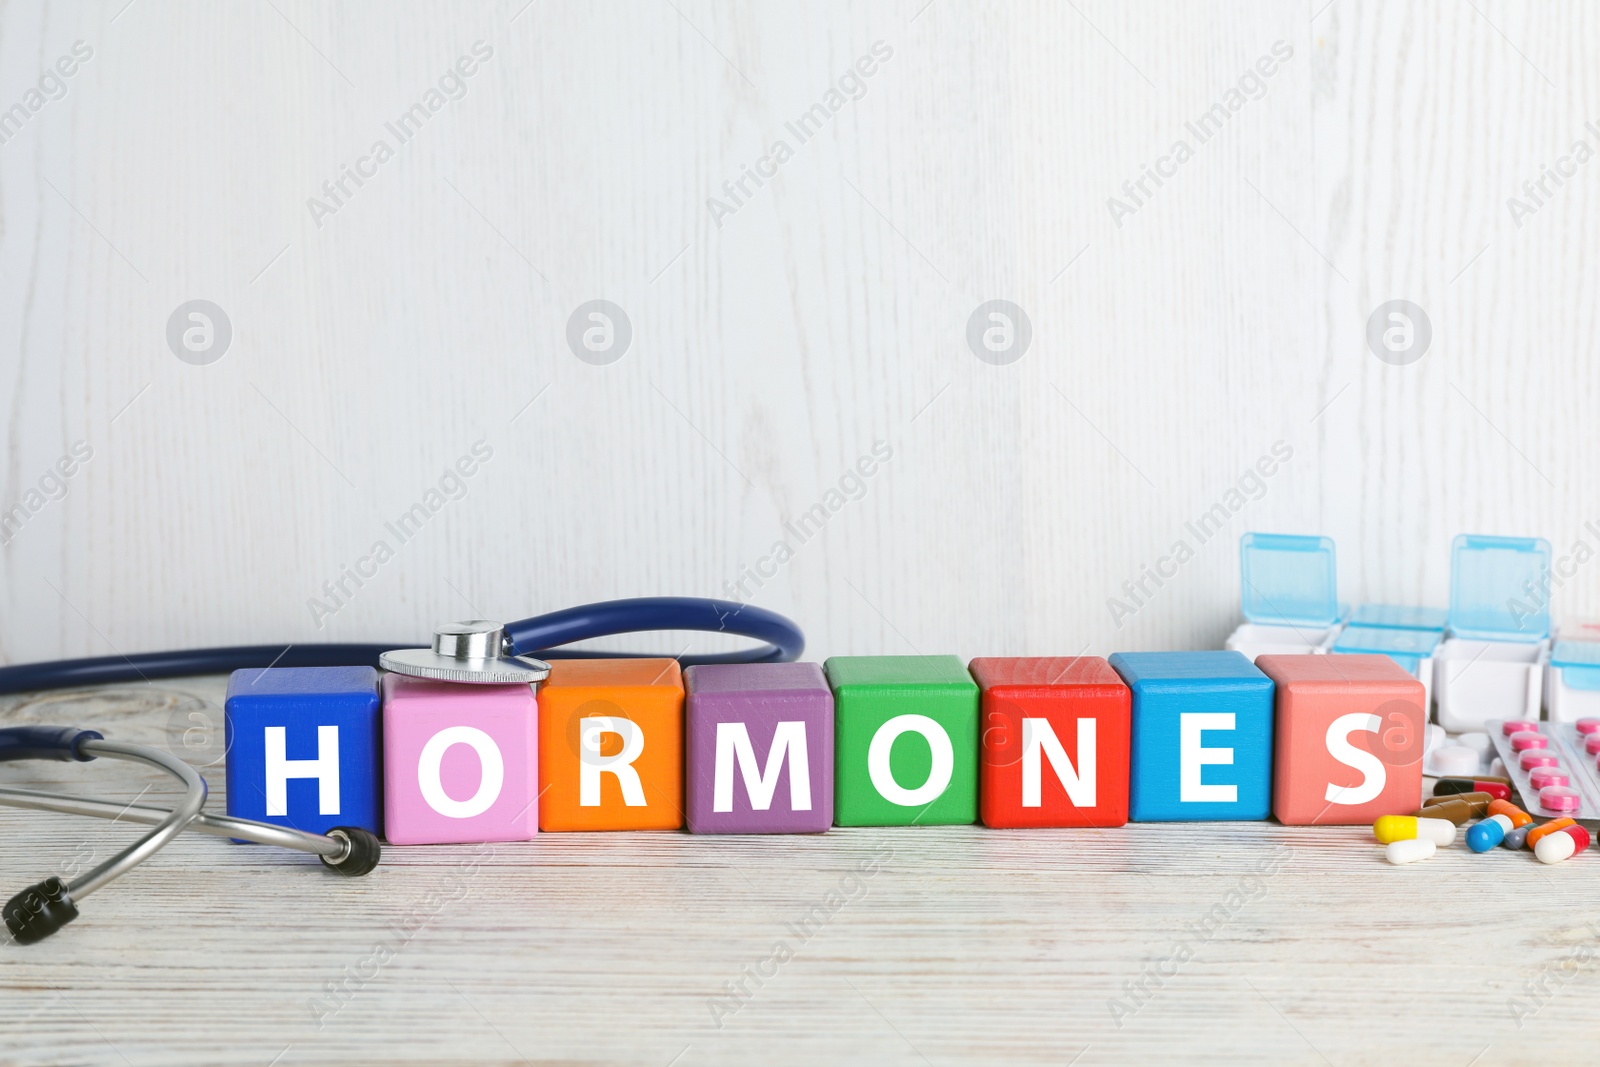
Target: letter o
(431,762)
(944,760)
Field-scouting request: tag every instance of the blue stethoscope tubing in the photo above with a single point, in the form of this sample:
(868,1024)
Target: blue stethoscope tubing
(41,909)
(540,636)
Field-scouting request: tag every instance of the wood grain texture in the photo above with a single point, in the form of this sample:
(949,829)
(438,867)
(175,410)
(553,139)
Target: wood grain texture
(899,945)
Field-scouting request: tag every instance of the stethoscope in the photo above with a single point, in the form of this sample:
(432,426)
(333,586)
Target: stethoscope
(477,652)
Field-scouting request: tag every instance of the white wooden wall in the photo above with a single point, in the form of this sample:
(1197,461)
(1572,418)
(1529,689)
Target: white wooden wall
(773,350)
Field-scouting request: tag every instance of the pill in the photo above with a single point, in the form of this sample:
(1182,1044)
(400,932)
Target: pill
(1517,816)
(1478,802)
(1411,851)
(1587,726)
(1516,838)
(1497,767)
(1517,726)
(1537,832)
(1540,777)
(1389,828)
(1450,786)
(1454,809)
(1560,844)
(1483,836)
(1591,744)
(1454,761)
(1523,740)
(1559,798)
(1536,757)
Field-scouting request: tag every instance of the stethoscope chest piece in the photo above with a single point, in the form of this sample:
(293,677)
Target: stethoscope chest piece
(476,652)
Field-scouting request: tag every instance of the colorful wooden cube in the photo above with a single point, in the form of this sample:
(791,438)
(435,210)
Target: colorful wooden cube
(758,752)
(304,747)
(1055,738)
(611,745)
(1350,733)
(1202,736)
(460,762)
(906,740)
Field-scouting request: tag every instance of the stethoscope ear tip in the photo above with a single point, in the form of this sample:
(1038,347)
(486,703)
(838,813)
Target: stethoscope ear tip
(360,857)
(39,911)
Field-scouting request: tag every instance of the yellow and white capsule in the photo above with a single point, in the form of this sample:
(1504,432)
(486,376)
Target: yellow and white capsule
(1410,850)
(1390,828)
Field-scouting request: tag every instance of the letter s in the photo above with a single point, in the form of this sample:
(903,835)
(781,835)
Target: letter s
(1371,767)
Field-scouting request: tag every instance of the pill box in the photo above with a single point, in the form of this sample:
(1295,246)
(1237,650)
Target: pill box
(1548,766)
(1491,664)
(1288,591)
(1408,635)
(1573,680)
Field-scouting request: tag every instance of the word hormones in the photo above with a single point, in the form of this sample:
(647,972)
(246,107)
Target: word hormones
(640,744)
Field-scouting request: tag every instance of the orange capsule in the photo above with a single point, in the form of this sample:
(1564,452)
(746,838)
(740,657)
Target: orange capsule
(1548,828)
(1517,816)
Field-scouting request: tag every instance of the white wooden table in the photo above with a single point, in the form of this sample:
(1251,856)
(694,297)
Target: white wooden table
(914,946)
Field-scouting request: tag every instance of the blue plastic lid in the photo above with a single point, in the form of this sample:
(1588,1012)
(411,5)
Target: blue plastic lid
(1495,588)
(1575,654)
(1288,580)
(1400,617)
(1387,640)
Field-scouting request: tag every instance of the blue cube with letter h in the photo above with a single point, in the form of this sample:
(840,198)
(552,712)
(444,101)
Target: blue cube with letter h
(305,747)
(1202,736)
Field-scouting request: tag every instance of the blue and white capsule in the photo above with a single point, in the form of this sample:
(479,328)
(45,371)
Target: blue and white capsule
(1485,835)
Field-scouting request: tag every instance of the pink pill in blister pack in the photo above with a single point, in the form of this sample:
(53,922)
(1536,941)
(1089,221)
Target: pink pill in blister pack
(1559,798)
(1540,777)
(1536,757)
(1523,740)
(1585,727)
(1515,726)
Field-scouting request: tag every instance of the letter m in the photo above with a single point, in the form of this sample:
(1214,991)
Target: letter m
(733,744)
(1039,742)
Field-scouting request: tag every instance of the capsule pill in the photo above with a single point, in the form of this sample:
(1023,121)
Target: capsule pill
(1561,844)
(1390,828)
(1453,786)
(1477,803)
(1535,833)
(1455,809)
(1517,838)
(1483,836)
(1419,848)
(1518,817)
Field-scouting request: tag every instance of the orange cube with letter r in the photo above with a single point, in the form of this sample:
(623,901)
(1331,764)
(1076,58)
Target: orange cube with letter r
(611,745)
(1350,734)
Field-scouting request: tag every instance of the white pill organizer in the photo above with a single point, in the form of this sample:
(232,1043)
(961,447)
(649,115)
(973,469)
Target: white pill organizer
(1492,661)
(1289,591)
(1409,636)
(1572,681)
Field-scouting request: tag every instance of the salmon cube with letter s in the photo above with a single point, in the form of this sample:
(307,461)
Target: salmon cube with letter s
(1202,736)
(758,749)
(303,747)
(460,762)
(1054,736)
(1350,733)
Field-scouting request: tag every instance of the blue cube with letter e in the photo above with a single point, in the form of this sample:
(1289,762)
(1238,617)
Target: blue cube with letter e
(1202,736)
(305,747)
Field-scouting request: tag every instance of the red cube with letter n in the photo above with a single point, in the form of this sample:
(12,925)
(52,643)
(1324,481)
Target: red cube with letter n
(1350,734)
(1054,734)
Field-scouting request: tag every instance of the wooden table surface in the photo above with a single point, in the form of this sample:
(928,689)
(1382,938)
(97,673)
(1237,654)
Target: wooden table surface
(1211,943)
